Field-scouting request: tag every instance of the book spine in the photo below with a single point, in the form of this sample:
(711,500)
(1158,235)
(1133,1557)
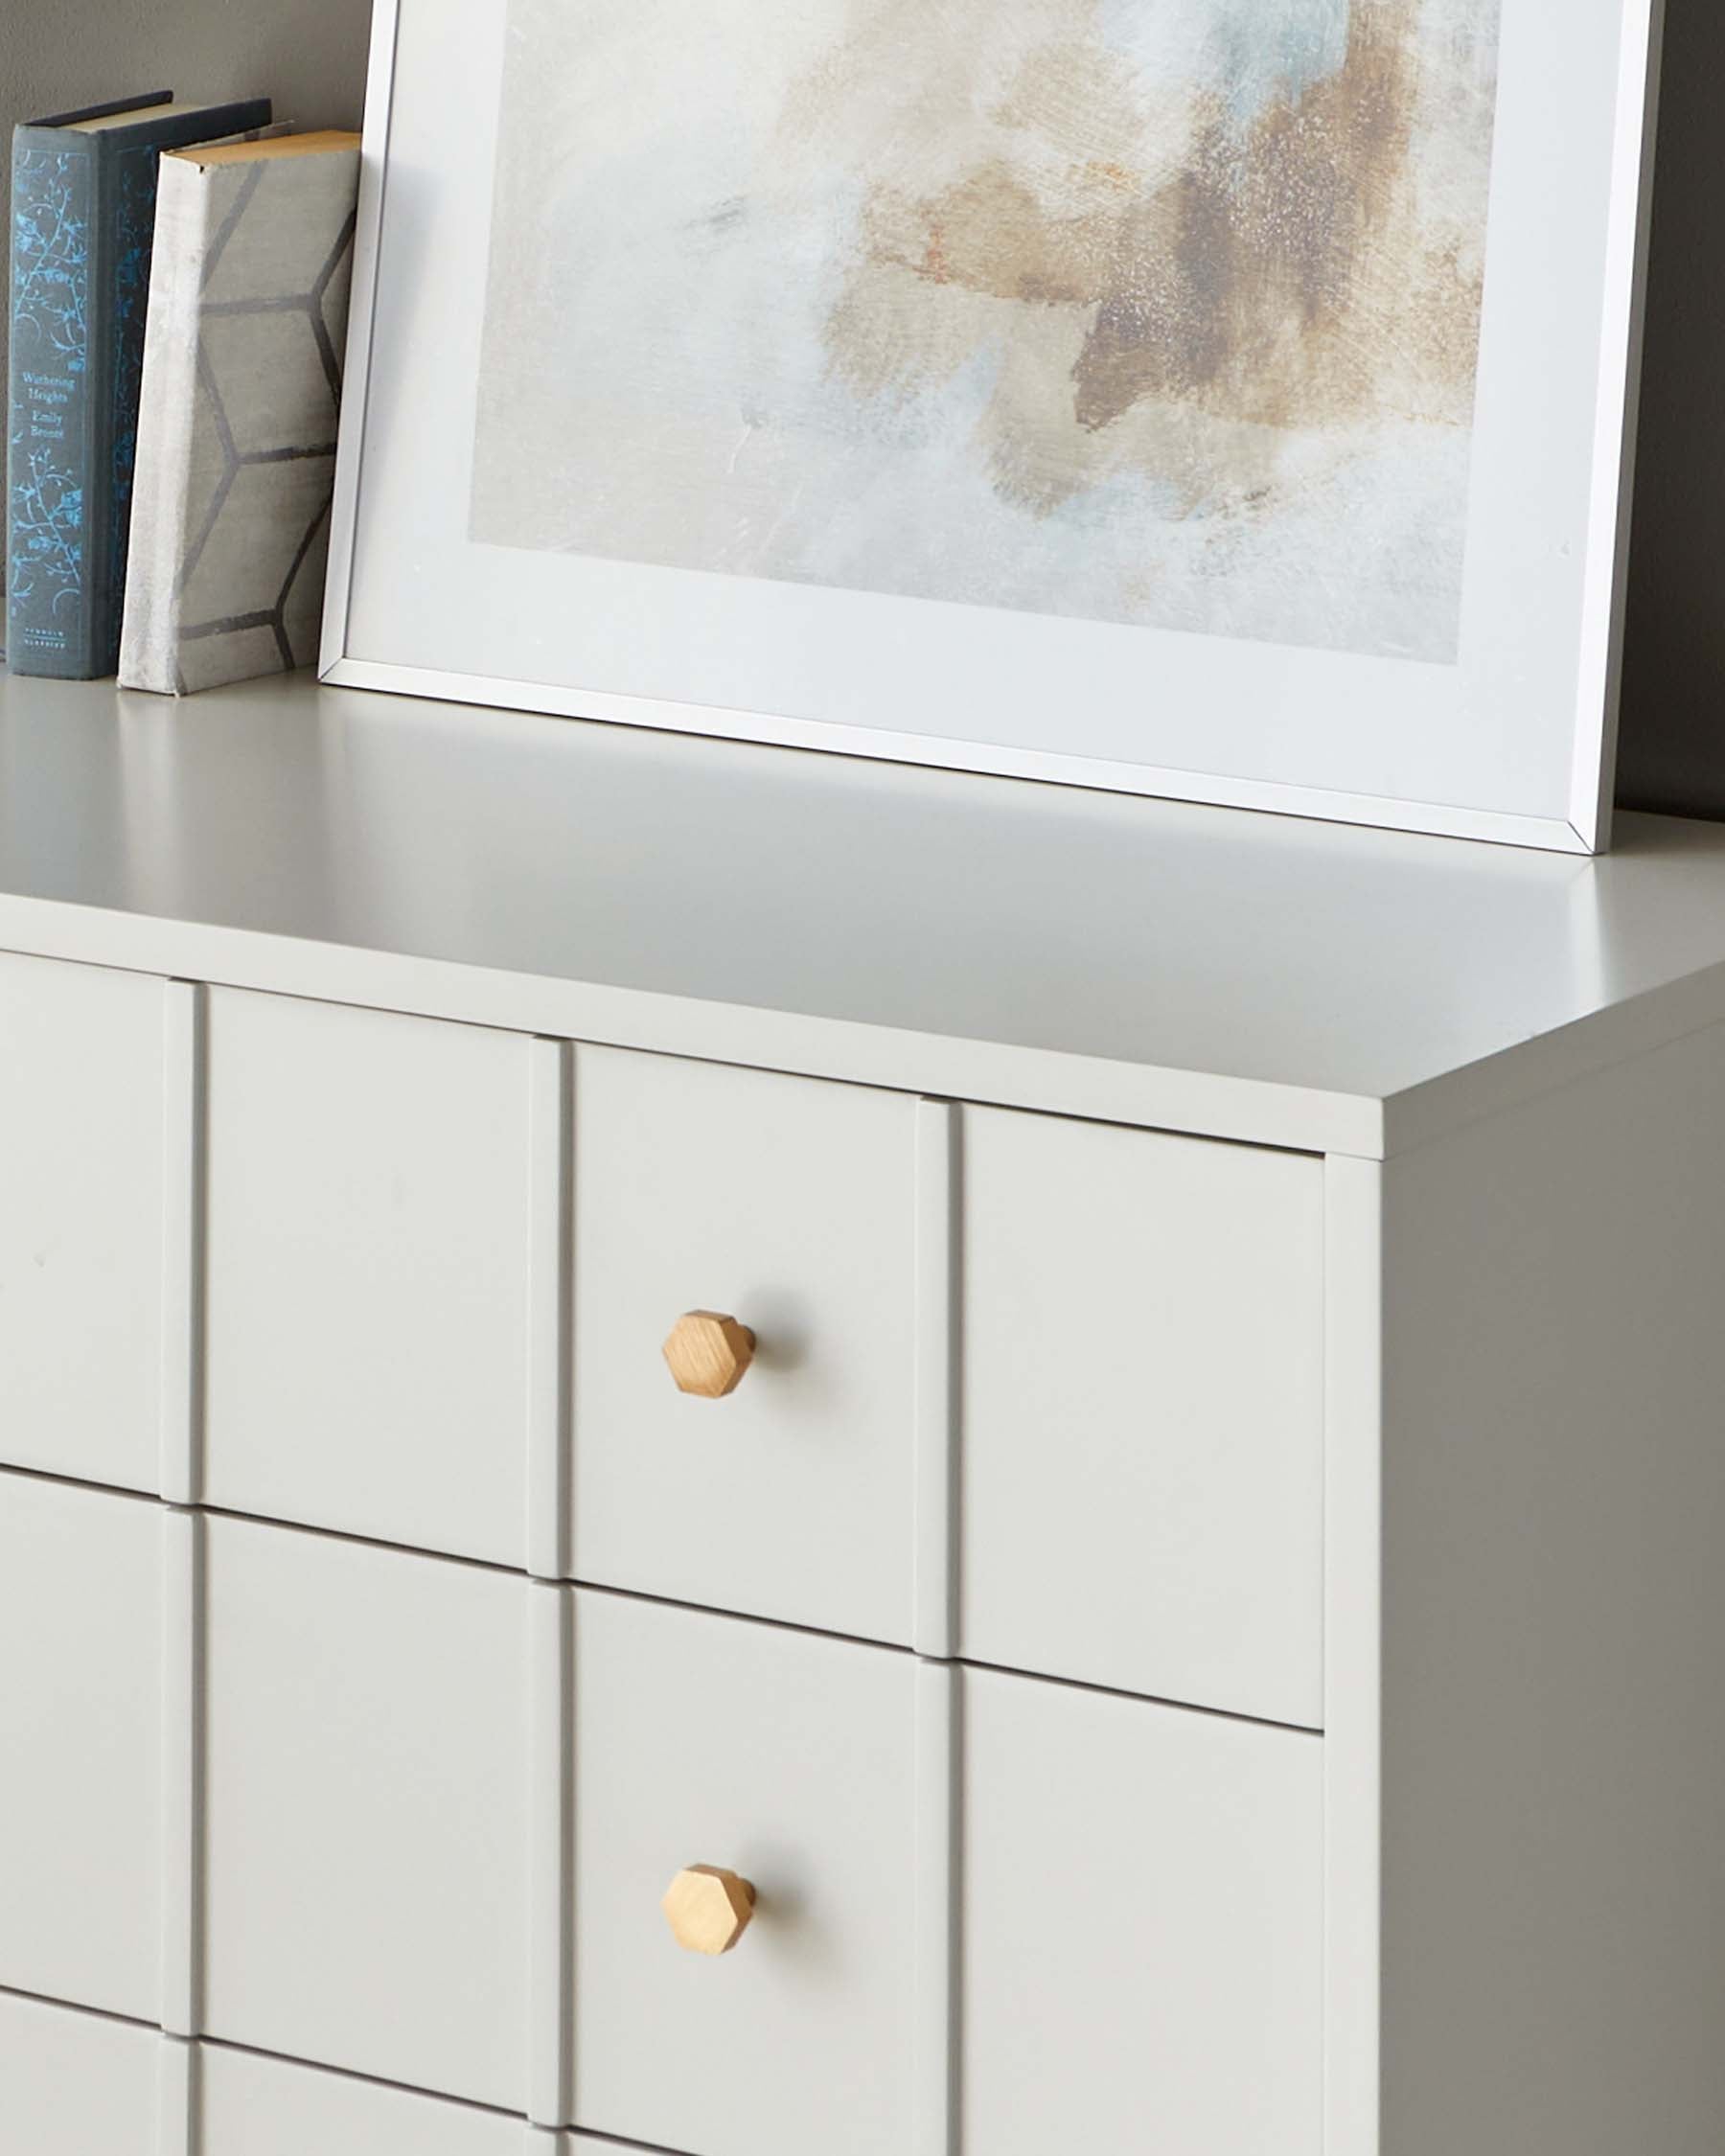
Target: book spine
(51,408)
(162,475)
(126,233)
(127,165)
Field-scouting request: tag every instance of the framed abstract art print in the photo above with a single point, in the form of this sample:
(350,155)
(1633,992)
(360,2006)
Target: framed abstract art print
(1222,399)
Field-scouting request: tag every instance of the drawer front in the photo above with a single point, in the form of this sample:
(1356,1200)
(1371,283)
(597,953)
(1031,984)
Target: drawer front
(789,1761)
(452,1826)
(1143,1388)
(1142,1945)
(787,1204)
(368,1262)
(366,1809)
(82,1137)
(1133,1894)
(387,1735)
(81,1721)
(78,2084)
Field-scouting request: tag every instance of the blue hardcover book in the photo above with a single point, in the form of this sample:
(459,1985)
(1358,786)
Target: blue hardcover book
(83,221)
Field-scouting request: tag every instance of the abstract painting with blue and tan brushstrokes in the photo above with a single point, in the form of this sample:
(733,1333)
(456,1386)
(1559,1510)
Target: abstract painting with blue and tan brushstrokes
(1163,313)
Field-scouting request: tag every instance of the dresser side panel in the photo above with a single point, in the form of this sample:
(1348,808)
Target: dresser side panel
(1554,1600)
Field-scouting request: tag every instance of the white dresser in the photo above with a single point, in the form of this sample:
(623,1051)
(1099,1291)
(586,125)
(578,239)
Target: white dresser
(1169,1604)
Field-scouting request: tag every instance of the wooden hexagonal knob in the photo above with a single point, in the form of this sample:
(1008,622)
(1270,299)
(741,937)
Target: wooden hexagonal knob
(709,1908)
(709,1353)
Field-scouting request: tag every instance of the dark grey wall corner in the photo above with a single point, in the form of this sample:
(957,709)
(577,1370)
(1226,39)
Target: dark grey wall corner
(1672,752)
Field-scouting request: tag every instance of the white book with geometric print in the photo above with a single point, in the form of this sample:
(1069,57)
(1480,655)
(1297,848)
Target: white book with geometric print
(248,301)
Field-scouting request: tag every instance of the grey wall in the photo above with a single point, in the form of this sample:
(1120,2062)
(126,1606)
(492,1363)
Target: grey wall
(308,54)
(1672,753)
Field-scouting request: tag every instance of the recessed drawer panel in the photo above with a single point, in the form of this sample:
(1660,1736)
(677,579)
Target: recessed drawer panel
(78,2084)
(81,1220)
(366,1811)
(81,1721)
(1142,1394)
(369,1251)
(786,1205)
(767,1757)
(1143,1952)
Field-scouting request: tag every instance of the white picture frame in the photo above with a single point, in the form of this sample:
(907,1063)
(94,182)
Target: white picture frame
(1512,739)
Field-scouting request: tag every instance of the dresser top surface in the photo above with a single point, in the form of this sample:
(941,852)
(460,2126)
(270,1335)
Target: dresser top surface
(1256,976)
